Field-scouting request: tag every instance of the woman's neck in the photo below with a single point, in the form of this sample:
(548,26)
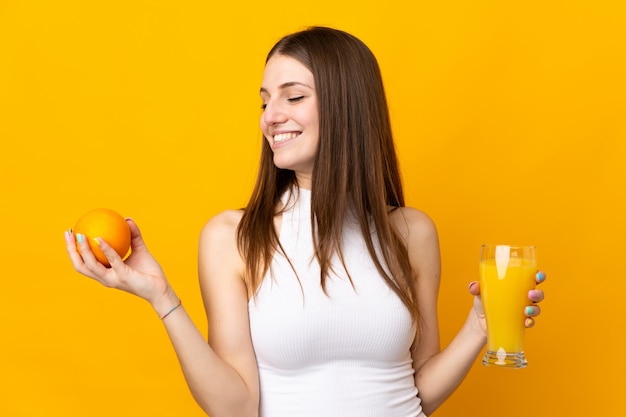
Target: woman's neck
(304,181)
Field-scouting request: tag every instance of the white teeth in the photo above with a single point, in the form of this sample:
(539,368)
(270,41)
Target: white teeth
(281,137)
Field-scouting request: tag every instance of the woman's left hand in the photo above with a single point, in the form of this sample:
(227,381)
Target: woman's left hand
(531,311)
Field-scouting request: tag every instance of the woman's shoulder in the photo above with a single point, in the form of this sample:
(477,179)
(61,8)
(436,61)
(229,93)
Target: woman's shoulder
(218,250)
(226,218)
(422,241)
(413,223)
(222,226)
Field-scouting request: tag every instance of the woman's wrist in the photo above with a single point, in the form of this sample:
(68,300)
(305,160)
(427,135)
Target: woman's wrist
(476,326)
(166,303)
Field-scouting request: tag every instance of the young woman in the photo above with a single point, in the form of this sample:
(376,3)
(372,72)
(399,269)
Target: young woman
(321,295)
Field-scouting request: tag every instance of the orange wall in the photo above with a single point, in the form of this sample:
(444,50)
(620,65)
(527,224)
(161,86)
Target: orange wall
(510,121)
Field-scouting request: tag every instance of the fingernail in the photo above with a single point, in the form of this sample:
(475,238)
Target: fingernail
(541,276)
(79,238)
(530,310)
(97,240)
(530,322)
(67,234)
(532,294)
(469,287)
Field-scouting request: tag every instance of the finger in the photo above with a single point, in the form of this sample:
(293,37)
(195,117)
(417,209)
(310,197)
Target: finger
(84,262)
(136,239)
(535,296)
(540,277)
(115,261)
(89,259)
(72,251)
(529,322)
(70,246)
(474,288)
(532,311)
(84,250)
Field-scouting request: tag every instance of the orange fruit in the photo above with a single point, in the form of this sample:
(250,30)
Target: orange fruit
(108,225)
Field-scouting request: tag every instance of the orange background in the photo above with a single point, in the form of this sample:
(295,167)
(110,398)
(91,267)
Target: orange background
(510,123)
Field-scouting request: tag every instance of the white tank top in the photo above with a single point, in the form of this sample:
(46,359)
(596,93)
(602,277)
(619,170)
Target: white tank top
(341,354)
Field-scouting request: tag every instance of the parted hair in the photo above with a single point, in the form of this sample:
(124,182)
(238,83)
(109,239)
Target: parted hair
(355,169)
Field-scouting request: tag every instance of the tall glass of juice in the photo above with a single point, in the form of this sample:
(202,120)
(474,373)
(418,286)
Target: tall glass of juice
(507,273)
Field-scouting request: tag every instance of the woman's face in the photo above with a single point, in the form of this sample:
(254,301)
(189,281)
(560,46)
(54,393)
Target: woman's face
(290,120)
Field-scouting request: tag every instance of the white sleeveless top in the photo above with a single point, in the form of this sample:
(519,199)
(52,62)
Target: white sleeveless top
(341,354)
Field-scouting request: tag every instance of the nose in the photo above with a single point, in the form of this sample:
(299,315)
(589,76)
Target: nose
(273,114)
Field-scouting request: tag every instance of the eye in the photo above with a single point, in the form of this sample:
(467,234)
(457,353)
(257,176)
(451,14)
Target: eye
(263,106)
(295,99)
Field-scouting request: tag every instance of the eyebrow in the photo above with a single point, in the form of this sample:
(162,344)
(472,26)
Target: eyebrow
(287,85)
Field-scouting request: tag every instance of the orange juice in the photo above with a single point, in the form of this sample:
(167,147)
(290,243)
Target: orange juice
(504,292)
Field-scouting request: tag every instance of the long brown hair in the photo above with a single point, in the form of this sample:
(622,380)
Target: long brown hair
(356,168)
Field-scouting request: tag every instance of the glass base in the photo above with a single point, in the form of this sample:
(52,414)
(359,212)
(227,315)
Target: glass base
(505,360)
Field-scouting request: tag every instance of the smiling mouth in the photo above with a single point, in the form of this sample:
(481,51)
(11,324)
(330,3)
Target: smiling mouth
(283,137)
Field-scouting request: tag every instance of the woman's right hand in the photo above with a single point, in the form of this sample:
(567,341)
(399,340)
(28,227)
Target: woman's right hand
(140,274)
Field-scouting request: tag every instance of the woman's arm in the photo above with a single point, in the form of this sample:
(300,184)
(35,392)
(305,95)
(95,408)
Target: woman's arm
(221,375)
(234,391)
(437,373)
